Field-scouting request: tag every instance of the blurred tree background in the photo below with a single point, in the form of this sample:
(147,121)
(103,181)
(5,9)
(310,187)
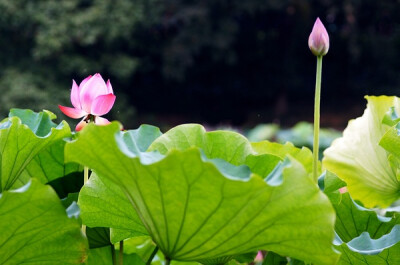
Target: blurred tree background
(212,61)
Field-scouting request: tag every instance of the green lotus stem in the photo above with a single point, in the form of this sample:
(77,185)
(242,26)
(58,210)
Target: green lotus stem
(121,253)
(167,261)
(152,256)
(317,116)
(85,179)
(85,175)
(114,258)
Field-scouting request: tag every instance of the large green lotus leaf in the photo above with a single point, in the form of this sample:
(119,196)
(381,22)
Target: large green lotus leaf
(117,234)
(391,140)
(39,122)
(71,183)
(364,250)
(331,185)
(101,249)
(230,146)
(115,210)
(98,237)
(353,219)
(140,139)
(303,155)
(358,159)
(22,136)
(143,246)
(366,245)
(48,165)
(103,204)
(35,228)
(194,212)
(391,117)
(362,234)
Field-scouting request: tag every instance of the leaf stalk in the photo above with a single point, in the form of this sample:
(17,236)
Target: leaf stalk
(317,117)
(152,256)
(121,252)
(85,179)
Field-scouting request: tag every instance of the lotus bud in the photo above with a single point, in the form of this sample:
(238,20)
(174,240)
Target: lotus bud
(319,39)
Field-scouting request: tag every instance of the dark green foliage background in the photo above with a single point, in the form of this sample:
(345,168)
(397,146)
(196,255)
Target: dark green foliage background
(247,61)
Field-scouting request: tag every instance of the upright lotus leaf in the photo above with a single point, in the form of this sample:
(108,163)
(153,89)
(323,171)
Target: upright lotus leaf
(98,237)
(118,234)
(364,244)
(143,246)
(353,219)
(22,136)
(391,140)
(71,183)
(331,185)
(49,164)
(140,139)
(100,256)
(102,250)
(362,235)
(35,228)
(229,146)
(303,155)
(391,117)
(363,250)
(103,204)
(69,199)
(232,147)
(358,159)
(39,122)
(194,212)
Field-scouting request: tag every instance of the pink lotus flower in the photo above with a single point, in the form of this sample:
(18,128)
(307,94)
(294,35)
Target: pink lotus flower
(319,39)
(91,99)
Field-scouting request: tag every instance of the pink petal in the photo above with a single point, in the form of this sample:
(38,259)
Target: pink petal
(90,90)
(75,95)
(101,121)
(102,104)
(259,257)
(80,125)
(85,80)
(109,87)
(72,113)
